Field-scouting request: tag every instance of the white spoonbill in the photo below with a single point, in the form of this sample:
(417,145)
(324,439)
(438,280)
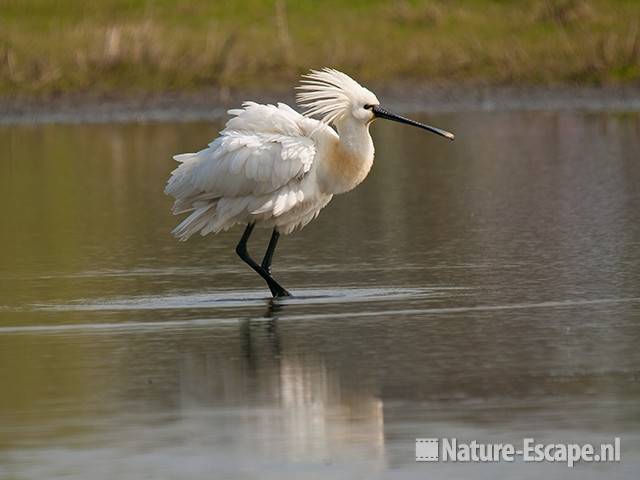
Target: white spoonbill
(272,166)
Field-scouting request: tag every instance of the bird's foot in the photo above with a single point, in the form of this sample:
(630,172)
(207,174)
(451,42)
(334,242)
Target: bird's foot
(279,292)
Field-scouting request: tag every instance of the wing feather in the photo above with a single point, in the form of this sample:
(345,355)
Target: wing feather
(254,167)
(261,149)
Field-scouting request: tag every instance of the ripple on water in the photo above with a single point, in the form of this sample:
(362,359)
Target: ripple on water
(180,310)
(242,300)
(237,299)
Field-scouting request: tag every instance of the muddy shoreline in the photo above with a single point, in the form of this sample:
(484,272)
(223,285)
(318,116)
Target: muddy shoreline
(212,104)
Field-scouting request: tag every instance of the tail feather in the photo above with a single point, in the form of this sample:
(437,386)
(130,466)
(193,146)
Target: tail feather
(195,222)
(210,212)
(180,183)
(189,199)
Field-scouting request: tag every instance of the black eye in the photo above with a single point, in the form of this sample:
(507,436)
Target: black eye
(368,107)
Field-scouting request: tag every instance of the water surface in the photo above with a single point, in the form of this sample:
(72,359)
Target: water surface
(484,289)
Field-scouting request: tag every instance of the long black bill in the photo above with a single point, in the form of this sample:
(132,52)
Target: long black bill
(380,112)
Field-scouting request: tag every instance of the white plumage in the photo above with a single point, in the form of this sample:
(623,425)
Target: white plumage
(274,167)
(264,165)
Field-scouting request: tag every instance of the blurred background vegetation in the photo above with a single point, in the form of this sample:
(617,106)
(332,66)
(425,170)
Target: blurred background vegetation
(107,46)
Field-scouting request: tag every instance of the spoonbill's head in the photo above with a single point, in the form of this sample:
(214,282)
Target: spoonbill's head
(334,95)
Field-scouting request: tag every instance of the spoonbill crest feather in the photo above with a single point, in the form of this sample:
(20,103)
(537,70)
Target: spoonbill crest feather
(330,94)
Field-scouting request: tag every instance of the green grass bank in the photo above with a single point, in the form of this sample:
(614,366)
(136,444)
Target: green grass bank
(132,46)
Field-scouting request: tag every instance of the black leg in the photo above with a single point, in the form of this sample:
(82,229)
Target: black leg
(268,256)
(241,249)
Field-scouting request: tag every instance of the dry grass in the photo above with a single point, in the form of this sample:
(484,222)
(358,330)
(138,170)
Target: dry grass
(184,45)
(564,12)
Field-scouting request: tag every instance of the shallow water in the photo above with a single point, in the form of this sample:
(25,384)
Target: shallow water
(485,289)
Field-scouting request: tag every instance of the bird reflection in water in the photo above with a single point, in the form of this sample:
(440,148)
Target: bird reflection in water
(294,401)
